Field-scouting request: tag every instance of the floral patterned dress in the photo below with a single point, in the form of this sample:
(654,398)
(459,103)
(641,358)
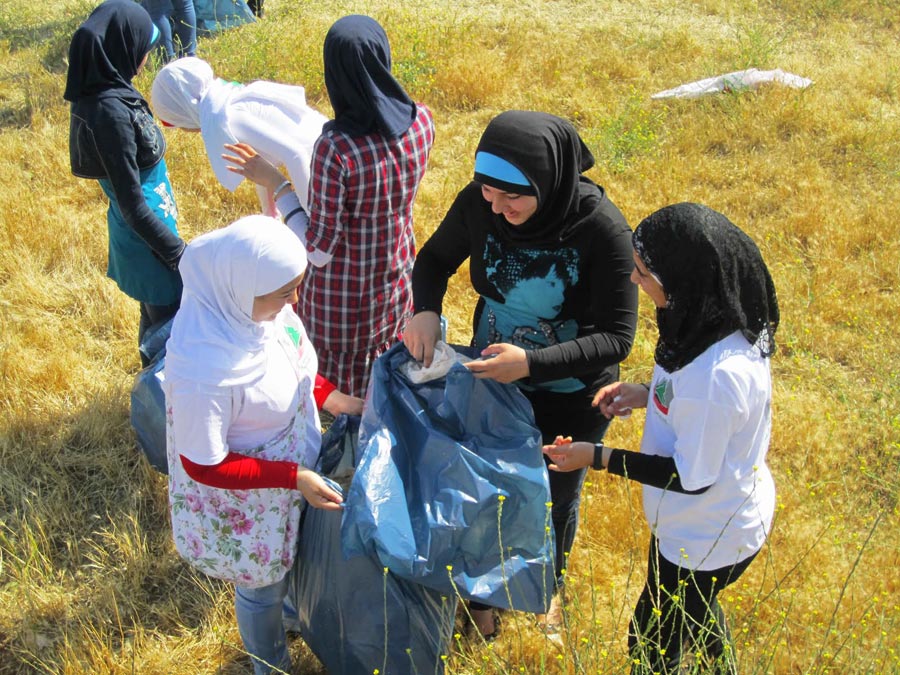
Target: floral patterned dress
(249,536)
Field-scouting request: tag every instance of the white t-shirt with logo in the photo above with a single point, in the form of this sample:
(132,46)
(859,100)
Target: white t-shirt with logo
(714,417)
(209,421)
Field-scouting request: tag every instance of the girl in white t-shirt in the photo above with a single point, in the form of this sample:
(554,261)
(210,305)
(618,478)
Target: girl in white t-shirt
(708,495)
(243,433)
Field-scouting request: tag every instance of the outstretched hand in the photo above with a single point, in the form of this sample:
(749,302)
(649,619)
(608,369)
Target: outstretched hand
(568,456)
(252,166)
(619,398)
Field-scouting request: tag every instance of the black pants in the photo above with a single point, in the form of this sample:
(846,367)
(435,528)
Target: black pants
(679,606)
(566,415)
(150,315)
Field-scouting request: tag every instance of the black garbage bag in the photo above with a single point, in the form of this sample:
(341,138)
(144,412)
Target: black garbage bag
(339,455)
(356,616)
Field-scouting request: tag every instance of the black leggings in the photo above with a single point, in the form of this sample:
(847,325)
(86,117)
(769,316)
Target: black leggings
(662,624)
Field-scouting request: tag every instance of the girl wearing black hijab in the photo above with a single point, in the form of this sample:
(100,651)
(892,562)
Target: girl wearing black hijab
(708,495)
(366,170)
(113,139)
(550,257)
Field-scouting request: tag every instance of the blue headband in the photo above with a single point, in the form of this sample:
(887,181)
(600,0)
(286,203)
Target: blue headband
(155,36)
(491,166)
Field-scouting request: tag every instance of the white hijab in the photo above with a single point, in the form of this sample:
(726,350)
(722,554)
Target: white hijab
(214,339)
(186,94)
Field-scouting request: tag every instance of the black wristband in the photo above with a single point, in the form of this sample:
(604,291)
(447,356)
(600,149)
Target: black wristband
(598,457)
(293,213)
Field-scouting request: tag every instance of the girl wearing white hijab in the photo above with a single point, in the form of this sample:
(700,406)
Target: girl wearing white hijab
(273,118)
(243,432)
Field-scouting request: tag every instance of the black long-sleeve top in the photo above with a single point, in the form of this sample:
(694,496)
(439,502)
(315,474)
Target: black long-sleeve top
(653,470)
(599,296)
(115,138)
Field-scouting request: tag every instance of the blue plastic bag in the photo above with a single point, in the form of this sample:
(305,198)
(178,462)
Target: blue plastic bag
(452,490)
(339,454)
(148,402)
(356,616)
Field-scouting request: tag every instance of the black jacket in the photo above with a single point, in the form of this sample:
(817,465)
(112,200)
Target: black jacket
(115,138)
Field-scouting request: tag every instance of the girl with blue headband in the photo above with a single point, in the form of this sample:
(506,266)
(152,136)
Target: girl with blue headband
(550,257)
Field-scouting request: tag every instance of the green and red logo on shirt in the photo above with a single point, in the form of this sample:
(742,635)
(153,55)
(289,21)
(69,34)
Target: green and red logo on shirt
(662,396)
(294,334)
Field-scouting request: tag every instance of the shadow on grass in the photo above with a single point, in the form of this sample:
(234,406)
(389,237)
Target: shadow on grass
(88,573)
(24,79)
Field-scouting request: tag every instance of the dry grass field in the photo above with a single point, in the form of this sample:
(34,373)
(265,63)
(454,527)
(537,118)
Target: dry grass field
(89,580)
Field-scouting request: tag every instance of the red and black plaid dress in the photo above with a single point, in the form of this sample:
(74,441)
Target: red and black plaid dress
(361,197)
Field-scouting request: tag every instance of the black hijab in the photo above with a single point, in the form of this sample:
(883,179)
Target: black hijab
(550,153)
(364,95)
(714,278)
(107,50)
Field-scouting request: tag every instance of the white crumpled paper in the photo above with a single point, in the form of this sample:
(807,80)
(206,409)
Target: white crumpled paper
(444,357)
(740,79)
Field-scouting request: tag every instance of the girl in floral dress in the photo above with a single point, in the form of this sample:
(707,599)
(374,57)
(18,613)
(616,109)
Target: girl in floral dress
(243,430)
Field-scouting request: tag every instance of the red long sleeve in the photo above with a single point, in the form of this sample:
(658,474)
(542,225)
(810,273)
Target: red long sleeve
(239,472)
(322,390)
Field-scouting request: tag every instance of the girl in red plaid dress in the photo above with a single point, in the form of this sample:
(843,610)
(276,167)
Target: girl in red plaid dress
(366,169)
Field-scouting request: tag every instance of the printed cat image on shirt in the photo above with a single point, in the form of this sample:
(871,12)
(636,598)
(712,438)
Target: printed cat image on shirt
(533,283)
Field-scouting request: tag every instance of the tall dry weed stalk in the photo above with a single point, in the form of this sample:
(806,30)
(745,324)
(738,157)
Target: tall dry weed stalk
(89,581)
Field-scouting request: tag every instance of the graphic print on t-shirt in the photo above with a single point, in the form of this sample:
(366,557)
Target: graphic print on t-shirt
(294,334)
(662,395)
(533,283)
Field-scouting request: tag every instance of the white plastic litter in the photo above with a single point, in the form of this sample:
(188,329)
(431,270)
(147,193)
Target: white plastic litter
(624,413)
(444,357)
(740,79)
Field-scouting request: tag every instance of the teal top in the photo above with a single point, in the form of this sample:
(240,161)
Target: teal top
(132,265)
